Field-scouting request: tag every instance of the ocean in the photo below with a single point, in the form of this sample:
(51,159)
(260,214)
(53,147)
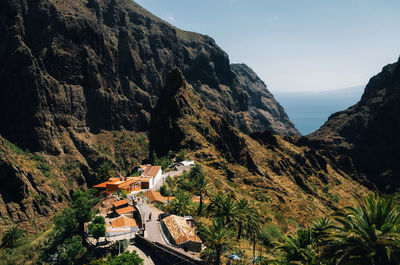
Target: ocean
(309,110)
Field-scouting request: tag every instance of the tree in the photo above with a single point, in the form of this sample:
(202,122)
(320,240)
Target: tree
(82,204)
(12,237)
(252,224)
(105,171)
(222,206)
(99,220)
(97,231)
(218,237)
(70,251)
(201,185)
(367,233)
(64,224)
(181,156)
(299,248)
(181,205)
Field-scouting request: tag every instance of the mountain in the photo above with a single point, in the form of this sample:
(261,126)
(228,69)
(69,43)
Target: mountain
(275,171)
(79,82)
(100,65)
(365,137)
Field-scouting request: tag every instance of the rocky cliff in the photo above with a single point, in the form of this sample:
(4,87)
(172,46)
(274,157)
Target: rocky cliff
(100,65)
(365,137)
(272,170)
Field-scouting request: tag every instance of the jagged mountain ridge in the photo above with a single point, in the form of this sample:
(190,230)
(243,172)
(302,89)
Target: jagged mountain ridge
(100,65)
(273,170)
(365,137)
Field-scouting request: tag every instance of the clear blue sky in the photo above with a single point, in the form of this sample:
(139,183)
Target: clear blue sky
(297,44)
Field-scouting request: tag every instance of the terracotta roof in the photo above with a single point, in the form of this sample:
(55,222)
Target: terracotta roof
(123,221)
(180,230)
(119,203)
(156,196)
(151,171)
(129,181)
(104,184)
(128,209)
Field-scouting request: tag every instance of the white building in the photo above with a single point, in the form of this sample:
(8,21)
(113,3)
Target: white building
(150,176)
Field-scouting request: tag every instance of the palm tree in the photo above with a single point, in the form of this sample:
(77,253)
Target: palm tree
(299,248)
(201,186)
(320,229)
(252,225)
(224,207)
(181,205)
(12,237)
(367,233)
(218,237)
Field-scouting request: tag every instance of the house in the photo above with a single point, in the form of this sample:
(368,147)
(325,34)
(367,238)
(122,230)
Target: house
(156,197)
(120,204)
(181,231)
(121,226)
(118,184)
(150,176)
(125,211)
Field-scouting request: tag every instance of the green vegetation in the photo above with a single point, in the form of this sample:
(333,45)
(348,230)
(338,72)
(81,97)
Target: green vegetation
(218,237)
(97,228)
(106,171)
(12,237)
(64,245)
(125,258)
(164,161)
(365,234)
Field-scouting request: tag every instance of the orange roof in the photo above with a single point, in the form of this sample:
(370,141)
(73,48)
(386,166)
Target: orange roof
(123,221)
(151,171)
(129,181)
(104,184)
(180,230)
(128,209)
(156,196)
(119,203)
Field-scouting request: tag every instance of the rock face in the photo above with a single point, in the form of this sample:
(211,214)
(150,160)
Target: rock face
(365,137)
(263,166)
(100,65)
(263,111)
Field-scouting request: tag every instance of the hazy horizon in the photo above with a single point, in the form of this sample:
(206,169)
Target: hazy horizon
(295,46)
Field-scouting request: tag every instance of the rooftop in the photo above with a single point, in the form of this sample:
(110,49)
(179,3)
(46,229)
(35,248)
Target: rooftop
(124,210)
(180,230)
(156,196)
(151,171)
(119,203)
(123,221)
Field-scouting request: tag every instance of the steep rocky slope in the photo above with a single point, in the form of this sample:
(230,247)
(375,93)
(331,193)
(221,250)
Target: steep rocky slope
(93,65)
(280,174)
(365,137)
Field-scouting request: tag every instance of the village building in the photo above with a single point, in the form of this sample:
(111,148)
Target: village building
(181,231)
(121,226)
(122,207)
(156,197)
(150,175)
(118,184)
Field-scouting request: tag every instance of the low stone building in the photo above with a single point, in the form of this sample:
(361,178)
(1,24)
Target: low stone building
(181,231)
